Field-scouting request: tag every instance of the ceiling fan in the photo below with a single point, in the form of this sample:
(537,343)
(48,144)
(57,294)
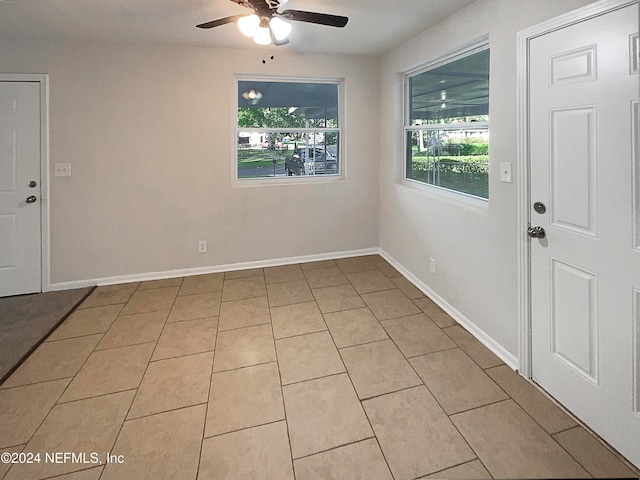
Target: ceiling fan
(266,25)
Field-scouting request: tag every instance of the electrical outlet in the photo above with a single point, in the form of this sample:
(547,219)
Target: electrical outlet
(62,170)
(202,246)
(432,265)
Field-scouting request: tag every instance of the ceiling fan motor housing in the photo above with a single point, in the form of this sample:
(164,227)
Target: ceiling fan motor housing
(267,13)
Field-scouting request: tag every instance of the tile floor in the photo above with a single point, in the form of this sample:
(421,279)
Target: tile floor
(327,370)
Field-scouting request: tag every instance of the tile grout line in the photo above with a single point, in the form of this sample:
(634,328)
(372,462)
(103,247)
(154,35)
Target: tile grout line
(68,402)
(41,423)
(439,404)
(435,351)
(179,356)
(126,345)
(284,406)
(48,340)
(365,343)
(88,356)
(6,389)
(190,319)
(213,359)
(551,435)
(380,322)
(509,397)
(481,406)
(581,424)
(124,420)
(455,466)
(373,437)
(245,326)
(360,401)
(243,429)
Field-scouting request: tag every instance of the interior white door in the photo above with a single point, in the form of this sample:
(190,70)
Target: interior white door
(585,273)
(20,203)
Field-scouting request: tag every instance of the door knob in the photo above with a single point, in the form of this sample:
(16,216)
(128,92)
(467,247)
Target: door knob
(31,199)
(536,232)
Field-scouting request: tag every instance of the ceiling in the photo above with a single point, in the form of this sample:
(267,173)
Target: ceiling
(375,26)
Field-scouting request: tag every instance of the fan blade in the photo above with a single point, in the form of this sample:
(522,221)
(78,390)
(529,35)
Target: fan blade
(319,18)
(220,21)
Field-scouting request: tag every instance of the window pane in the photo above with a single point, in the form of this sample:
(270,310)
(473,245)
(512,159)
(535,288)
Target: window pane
(282,153)
(455,92)
(447,135)
(287,105)
(453,159)
(287,129)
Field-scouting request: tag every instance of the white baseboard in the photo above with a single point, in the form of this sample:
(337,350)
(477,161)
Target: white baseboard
(485,339)
(504,355)
(187,272)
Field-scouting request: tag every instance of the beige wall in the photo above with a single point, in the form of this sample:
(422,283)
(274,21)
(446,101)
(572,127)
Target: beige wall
(149,134)
(475,248)
(148,131)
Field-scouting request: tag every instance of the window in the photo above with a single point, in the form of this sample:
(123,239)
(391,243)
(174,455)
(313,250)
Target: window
(447,123)
(288,129)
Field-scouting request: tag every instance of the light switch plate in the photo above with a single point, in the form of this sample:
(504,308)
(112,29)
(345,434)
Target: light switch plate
(62,170)
(505,172)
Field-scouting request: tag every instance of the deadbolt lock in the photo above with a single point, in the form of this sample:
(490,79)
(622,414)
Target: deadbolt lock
(539,207)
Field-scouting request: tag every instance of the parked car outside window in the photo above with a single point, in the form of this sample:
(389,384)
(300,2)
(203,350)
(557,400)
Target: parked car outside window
(311,161)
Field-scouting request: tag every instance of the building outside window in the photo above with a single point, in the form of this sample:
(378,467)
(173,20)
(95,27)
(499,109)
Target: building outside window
(287,129)
(447,123)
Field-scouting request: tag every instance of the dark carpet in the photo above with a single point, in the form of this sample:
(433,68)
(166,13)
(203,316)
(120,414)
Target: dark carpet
(27,320)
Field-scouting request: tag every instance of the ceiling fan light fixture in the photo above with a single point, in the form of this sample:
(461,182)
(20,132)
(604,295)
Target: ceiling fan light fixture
(252,96)
(279,28)
(267,26)
(262,36)
(249,24)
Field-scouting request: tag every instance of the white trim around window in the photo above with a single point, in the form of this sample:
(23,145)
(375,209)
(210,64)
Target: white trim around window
(338,151)
(466,50)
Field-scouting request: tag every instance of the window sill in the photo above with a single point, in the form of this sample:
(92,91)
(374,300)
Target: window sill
(459,197)
(280,181)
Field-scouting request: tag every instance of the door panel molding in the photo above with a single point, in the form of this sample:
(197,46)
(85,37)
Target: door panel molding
(570,160)
(574,334)
(43,81)
(572,67)
(8,164)
(636,351)
(634,47)
(635,174)
(8,253)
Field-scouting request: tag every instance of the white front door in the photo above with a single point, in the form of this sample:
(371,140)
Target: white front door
(585,273)
(20,201)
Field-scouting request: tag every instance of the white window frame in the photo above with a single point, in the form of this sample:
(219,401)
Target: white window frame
(462,52)
(292,180)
